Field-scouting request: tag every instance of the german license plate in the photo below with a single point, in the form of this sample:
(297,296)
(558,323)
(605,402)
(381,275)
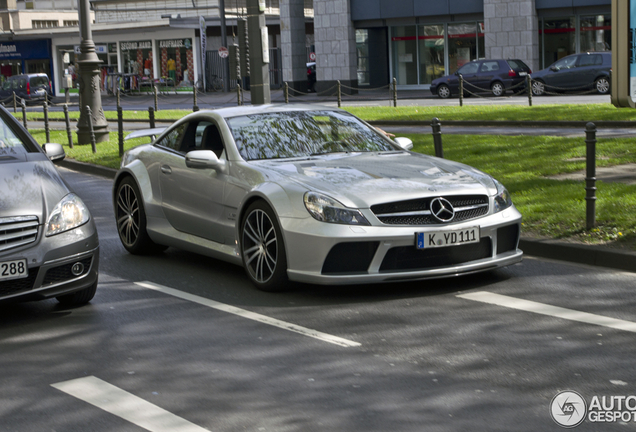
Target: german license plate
(13,269)
(424,240)
(523,73)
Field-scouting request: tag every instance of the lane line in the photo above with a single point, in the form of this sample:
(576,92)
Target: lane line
(553,311)
(249,315)
(125,405)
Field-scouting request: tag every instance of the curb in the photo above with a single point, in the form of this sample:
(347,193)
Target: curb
(552,249)
(506,123)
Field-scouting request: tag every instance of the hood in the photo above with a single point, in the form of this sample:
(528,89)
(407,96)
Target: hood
(363,179)
(29,188)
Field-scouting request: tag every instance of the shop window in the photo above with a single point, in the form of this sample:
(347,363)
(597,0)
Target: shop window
(463,44)
(559,39)
(431,49)
(362,50)
(404,53)
(596,33)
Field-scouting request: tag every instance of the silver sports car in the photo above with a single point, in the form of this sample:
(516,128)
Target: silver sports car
(310,194)
(48,241)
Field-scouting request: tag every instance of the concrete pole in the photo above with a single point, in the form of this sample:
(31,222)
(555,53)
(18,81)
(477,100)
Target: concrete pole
(226,63)
(90,89)
(259,71)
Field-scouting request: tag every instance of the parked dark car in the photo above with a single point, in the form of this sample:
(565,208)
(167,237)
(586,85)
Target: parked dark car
(30,87)
(48,240)
(497,75)
(576,72)
(311,77)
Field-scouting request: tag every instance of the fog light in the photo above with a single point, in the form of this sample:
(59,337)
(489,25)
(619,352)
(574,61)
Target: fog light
(77,269)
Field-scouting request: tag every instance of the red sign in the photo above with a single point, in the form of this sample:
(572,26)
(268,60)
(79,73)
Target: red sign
(312,56)
(223,53)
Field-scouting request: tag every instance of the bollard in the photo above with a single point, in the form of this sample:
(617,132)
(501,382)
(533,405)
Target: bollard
(286,93)
(436,125)
(339,95)
(394,92)
(47,129)
(529,85)
(118,97)
(590,175)
(24,119)
(120,129)
(15,103)
(238,94)
(156,99)
(151,117)
(195,107)
(89,114)
(461,90)
(69,134)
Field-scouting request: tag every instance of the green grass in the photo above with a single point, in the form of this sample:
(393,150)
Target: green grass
(572,112)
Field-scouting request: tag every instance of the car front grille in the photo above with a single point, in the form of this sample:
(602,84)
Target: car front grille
(417,211)
(17,231)
(63,272)
(408,258)
(15,286)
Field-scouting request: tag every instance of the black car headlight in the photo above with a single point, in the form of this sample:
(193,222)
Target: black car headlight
(502,199)
(327,209)
(69,213)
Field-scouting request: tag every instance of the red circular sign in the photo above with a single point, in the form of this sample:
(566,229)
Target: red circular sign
(223,53)
(312,56)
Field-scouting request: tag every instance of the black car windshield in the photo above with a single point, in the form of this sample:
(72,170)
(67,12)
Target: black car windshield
(10,144)
(303,133)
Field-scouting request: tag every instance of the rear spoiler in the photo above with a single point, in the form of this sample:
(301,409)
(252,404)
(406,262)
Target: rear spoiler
(146,132)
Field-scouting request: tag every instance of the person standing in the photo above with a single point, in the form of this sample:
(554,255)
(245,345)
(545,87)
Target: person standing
(172,70)
(147,66)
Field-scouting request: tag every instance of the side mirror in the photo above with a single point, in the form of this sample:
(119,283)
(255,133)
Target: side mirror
(203,159)
(54,151)
(403,142)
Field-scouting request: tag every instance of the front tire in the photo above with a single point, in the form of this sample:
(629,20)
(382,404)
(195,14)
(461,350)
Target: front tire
(538,88)
(602,85)
(497,89)
(78,298)
(262,248)
(131,220)
(443,91)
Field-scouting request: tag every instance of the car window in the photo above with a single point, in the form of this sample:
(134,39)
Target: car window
(15,84)
(518,65)
(172,139)
(565,63)
(202,135)
(303,133)
(22,84)
(6,85)
(469,68)
(10,144)
(39,81)
(489,66)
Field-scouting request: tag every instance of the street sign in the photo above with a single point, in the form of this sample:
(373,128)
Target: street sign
(312,56)
(223,53)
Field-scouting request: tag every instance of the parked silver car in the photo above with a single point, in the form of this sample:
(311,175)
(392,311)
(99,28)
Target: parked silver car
(310,194)
(48,241)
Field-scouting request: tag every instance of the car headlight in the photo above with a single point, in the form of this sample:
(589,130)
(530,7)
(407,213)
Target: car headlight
(326,209)
(502,199)
(69,213)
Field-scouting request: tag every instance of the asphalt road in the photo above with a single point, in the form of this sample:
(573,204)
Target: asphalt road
(180,342)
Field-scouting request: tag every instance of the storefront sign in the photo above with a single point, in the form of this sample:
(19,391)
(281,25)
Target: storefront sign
(176,43)
(39,49)
(132,46)
(99,49)
(112,47)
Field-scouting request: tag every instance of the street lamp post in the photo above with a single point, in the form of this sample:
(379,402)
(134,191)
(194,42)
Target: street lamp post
(89,79)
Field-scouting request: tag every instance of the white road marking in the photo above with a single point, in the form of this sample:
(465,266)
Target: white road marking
(125,405)
(249,315)
(553,311)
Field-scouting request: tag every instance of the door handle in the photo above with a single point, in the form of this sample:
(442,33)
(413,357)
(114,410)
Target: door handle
(166,169)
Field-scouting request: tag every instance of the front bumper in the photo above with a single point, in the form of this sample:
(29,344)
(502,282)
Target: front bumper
(388,253)
(50,261)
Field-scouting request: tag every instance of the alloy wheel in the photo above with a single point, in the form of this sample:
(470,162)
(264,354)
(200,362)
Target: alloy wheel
(602,85)
(443,91)
(497,89)
(128,215)
(260,246)
(538,88)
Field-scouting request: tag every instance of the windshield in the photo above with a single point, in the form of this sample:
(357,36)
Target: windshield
(303,133)
(10,144)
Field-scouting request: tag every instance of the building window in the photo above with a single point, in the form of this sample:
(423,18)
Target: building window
(431,48)
(72,23)
(38,24)
(362,49)
(404,47)
(559,39)
(465,44)
(596,33)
